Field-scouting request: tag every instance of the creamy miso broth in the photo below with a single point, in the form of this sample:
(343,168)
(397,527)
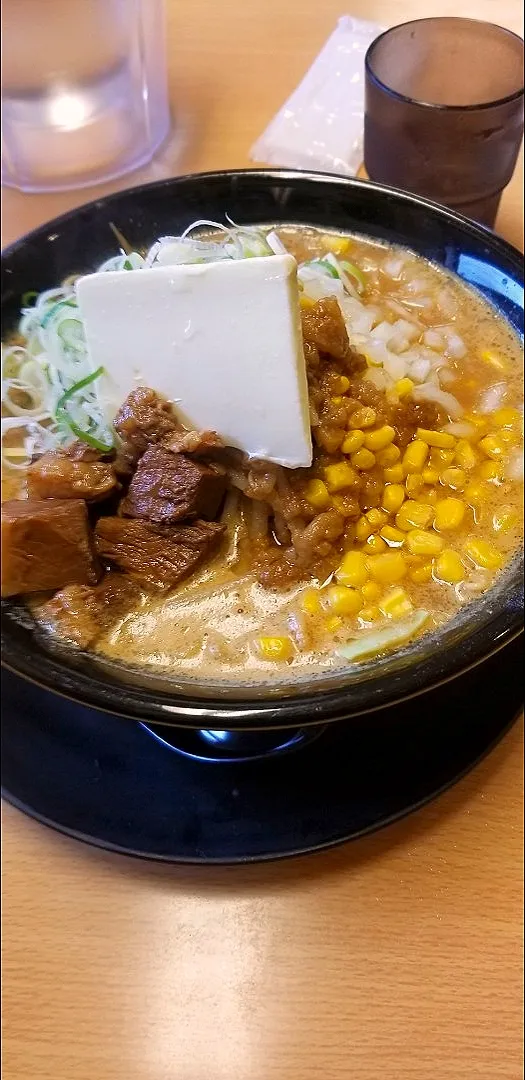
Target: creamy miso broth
(412,506)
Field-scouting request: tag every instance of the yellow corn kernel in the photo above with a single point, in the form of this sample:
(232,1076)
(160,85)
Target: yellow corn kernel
(440,439)
(453,478)
(337,400)
(395,474)
(422,574)
(276,648)
(388,568)
(424,542)
(510,438)
(342,600)
(311,602)
(477,492)
(353,441)
(393,498)
(491,470)
(370,592)
(480,425)
(449,514)
(316,493)
(375,545)
(344,383)
(414,515)
(493,446)
(353,569)
(363,418)
(440,459)
(494,361)
(363,529)
(465,455)
(389,455)
(477,419)
(380,438)
(428,497)
(394,537)
(505,519)
(338,245)
(376,517)
(413,483)
(430,476)
(369,614)
(396,604)
(404,387)
(339,476)
(363,459)
(483,554)
(333,624)
(415,456)
(448,567)
(507,418)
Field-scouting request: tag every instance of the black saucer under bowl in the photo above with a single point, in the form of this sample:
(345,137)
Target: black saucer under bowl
(85,752)
(110,782)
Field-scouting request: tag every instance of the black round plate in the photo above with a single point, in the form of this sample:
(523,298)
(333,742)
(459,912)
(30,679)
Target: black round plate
(109,782)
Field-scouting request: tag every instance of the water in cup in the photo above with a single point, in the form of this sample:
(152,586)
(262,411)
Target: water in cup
(84,90)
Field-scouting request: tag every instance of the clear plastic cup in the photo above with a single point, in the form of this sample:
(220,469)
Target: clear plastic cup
(84,90)
(444,111)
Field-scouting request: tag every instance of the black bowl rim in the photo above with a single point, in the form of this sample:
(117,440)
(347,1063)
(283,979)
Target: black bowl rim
(314,706)
(317,176)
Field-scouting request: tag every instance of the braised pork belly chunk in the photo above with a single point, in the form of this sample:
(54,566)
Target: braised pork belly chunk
(81,613)
(158,556)
(144,418)
(46,544)
(64,475)
(197,443)
(169,487)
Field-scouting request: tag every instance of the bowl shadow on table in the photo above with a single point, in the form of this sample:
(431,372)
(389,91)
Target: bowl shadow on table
(411,832)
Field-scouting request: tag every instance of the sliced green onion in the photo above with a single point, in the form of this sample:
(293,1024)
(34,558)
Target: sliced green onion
(326,265)
(127,265)
(62,415)
(378,641)
(70,332)
(29,298)
(253,242)
(97,444)
(54,308)
(356,273)
(204,223)
(343,277)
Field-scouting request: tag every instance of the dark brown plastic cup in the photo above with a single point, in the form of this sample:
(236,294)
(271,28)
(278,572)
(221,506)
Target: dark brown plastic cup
(444,111)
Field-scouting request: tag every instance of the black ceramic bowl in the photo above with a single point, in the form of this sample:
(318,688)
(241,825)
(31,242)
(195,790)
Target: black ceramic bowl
(79,242)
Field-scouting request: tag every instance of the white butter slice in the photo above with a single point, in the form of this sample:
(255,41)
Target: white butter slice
(222,341)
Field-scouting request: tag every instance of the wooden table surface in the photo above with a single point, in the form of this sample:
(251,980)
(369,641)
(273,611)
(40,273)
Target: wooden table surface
(394,958)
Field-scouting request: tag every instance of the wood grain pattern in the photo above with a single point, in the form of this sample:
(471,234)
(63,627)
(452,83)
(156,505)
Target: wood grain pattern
(395,958)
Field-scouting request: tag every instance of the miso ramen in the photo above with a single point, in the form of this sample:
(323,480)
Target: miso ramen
(159,546)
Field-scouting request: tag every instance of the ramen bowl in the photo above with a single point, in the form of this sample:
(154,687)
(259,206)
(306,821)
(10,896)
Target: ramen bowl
(77,243)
